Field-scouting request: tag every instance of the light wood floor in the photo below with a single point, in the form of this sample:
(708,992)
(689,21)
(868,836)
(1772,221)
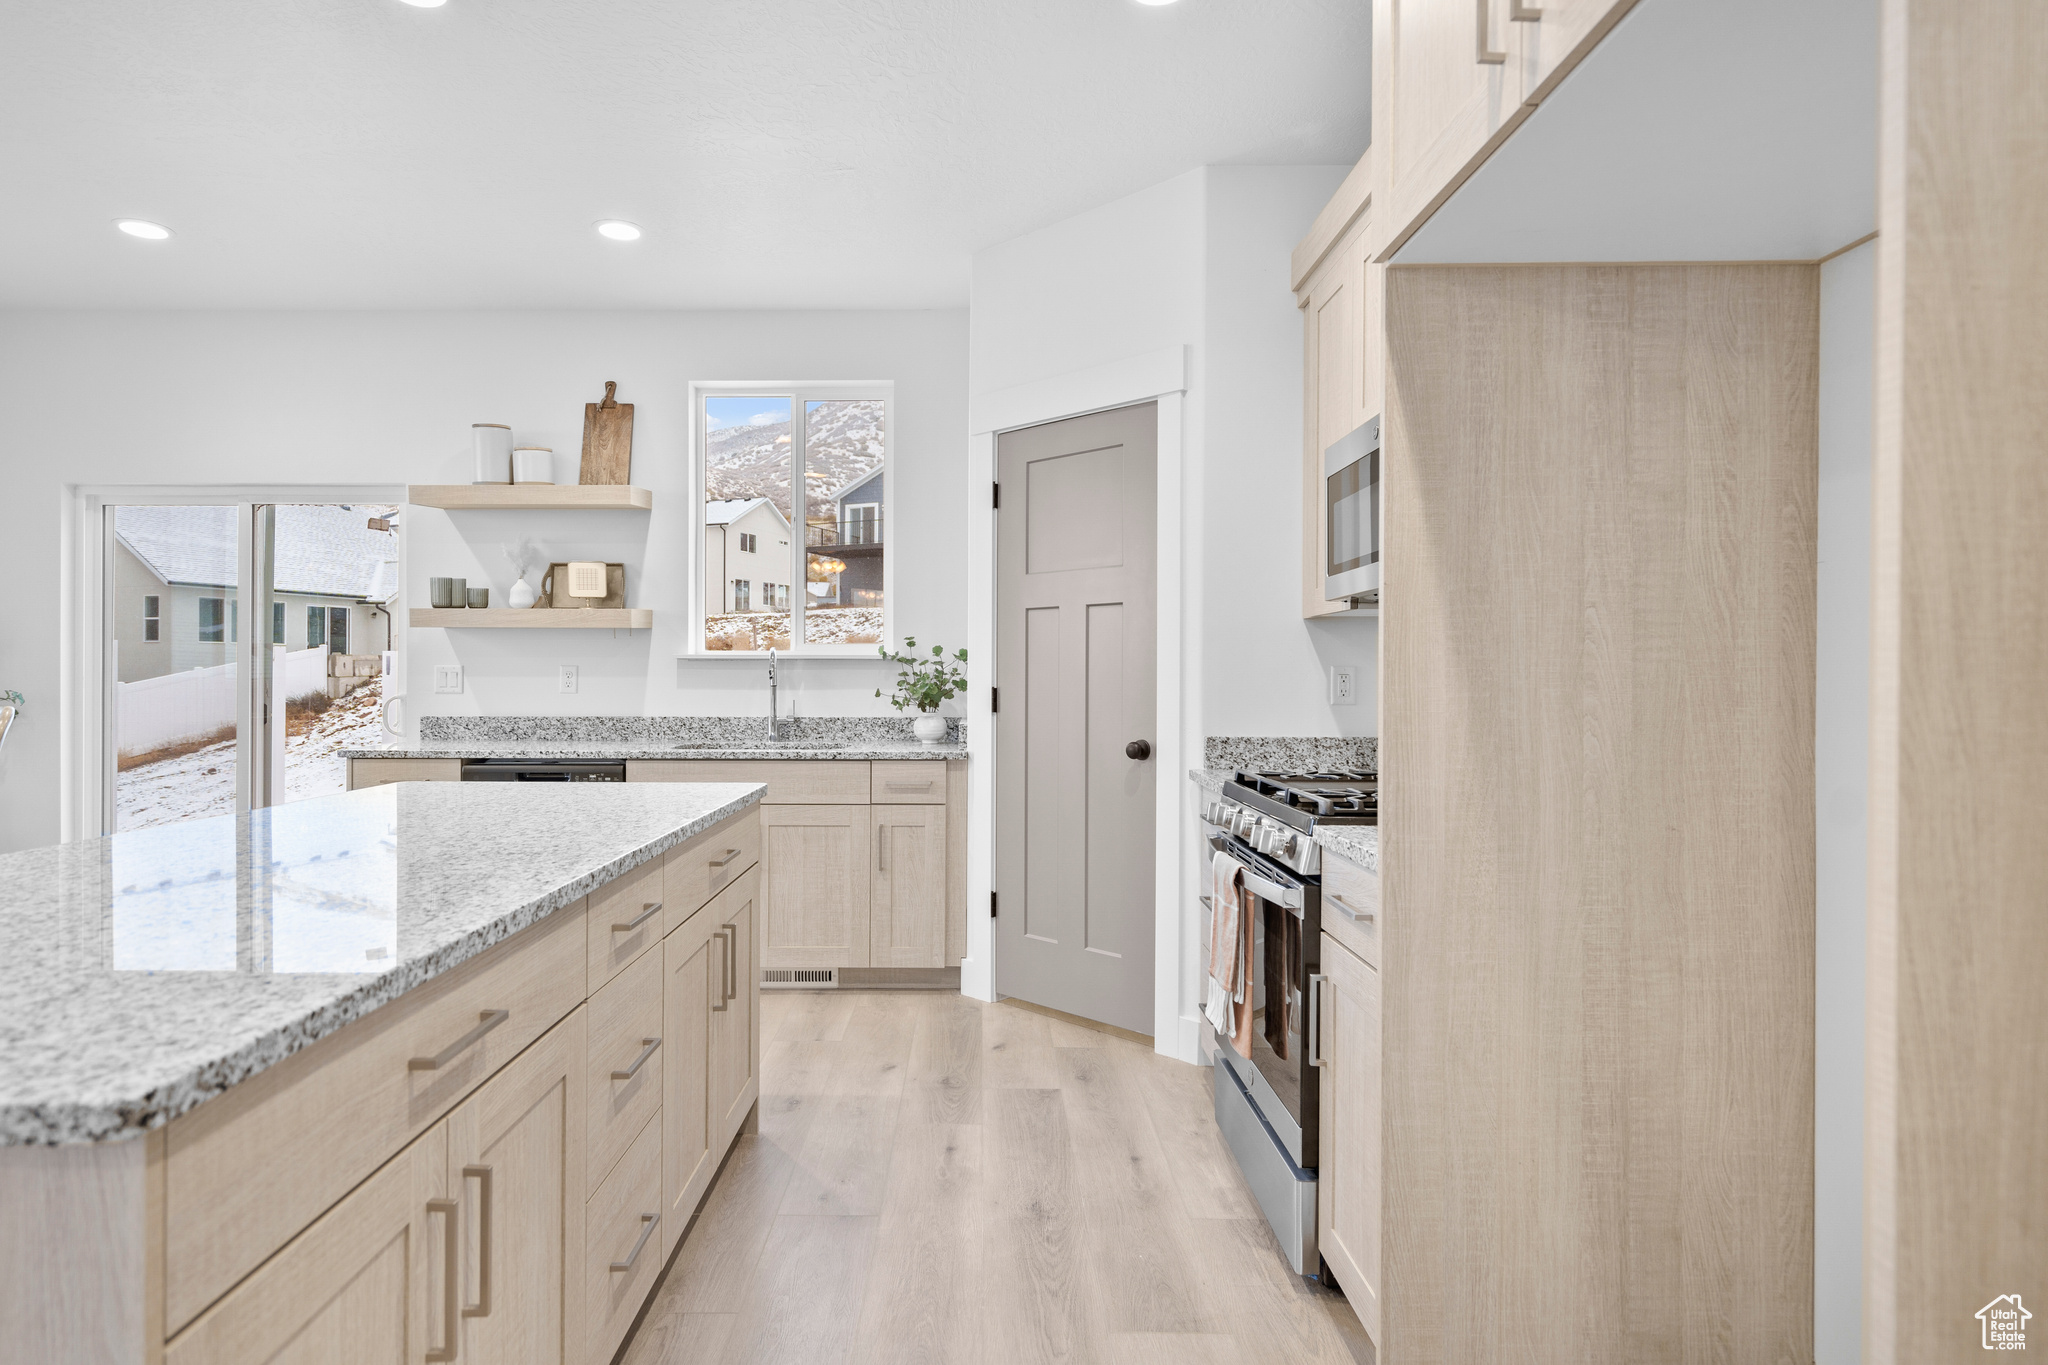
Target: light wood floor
(936,1179)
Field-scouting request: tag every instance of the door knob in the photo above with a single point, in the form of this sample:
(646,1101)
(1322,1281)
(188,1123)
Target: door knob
(1138,749)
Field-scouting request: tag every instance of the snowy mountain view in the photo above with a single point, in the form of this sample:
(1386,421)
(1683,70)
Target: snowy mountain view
(845,441)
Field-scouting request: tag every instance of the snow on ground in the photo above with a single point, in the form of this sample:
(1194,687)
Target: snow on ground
(202,783)
(757,630)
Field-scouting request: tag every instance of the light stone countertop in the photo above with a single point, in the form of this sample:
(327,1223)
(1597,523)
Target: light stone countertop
(1211,780)
(1359,844)
(607,751)
(144,973)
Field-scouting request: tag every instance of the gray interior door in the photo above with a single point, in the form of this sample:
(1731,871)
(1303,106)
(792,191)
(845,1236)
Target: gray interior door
(1076,628)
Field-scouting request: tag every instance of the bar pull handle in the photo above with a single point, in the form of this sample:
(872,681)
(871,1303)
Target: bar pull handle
(451,1267)
(730,854)
(653,908)
(732,961)
(1352,913)
(1487,55)
(647,1222)
(724,967)
(1315,1018)
(907,786)
(490,1019)
(647,1048)
(1523,14)
(485,1243)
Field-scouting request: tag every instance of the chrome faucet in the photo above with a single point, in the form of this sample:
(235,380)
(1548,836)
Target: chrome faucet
(778,728)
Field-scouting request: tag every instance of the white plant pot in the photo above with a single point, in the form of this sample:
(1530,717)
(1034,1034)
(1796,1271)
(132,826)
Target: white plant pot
(930,729)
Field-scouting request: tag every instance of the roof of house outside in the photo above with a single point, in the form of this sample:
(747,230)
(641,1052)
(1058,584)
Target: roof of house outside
(323,550)
(726,511)
(856,481)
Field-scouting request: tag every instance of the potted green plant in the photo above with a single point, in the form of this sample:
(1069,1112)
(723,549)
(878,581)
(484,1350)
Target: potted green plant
(924,683)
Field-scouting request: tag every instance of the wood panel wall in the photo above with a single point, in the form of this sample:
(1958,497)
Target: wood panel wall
(1598,889)
(1957,1141)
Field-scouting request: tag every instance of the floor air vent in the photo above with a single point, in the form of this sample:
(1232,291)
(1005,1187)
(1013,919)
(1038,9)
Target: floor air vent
(798,979)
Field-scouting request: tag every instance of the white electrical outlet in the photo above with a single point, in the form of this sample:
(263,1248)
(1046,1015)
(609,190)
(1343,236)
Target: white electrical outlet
(448,678)
(1343,685)
(565,678)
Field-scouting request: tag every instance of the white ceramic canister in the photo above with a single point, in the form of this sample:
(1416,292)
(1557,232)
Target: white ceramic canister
(493,443)
(533,464)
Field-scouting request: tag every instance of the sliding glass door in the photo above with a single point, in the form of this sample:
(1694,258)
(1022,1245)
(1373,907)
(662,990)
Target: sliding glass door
(230,681)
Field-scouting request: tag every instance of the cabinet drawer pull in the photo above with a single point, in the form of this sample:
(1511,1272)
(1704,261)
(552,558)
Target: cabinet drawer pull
(1315,1018)
(490,1020)
(485,1242)
(730,854)
(1487,55)
(1354,915)
(450,1268)
(881,848)
(908,786)
(732,962)
(647,1047)
(647,1222)
(724,968)
(653,909)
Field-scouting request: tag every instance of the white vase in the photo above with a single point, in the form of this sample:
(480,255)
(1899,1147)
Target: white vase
(522,592)
(929,728)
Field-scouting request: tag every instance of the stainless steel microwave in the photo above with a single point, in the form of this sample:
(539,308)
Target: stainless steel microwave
(1351,514)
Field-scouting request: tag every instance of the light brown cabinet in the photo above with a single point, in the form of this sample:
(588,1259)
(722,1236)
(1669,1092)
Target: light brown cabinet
(371,1271)
(1348,1181)
(1343,371)
(381,772)
(694,969)
(907,906)
(516,1169)
(865,862)
(734,1066)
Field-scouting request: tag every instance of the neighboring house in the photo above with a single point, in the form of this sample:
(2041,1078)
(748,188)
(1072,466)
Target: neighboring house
(175,607)
(746,557)
(853,536)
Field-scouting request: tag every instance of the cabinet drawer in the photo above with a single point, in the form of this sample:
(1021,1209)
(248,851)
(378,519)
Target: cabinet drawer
(622,1227)
(790,781)
(705,866)
(246,1171)
(627,917)
(625,1036)
(377,772)
(907,782)
(1347,885)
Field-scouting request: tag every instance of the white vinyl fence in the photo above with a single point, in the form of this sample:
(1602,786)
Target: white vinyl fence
(153,712)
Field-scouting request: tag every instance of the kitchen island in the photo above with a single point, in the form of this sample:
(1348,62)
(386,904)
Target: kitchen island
(425,1063)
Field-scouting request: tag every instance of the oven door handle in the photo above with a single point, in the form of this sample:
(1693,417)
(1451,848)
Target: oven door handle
(1259,885)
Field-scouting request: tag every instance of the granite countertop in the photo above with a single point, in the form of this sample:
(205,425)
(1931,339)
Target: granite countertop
(616,751)
(1211,780)
(1358,844)
(145,973)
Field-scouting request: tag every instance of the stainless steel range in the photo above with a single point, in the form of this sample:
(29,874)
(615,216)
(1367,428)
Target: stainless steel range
(1266,1097)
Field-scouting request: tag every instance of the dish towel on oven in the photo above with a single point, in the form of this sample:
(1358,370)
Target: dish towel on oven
(1229,1006)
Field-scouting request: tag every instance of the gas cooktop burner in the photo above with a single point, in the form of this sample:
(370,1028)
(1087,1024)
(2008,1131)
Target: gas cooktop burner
(1345,796)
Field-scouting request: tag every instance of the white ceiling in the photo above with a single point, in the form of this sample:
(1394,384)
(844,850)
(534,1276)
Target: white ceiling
(793,153)
(1736,130)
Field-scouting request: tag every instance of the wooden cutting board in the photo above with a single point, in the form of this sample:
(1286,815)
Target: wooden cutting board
(607,439)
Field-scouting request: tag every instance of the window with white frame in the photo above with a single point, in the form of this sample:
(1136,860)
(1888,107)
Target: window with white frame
(152,621)
(797,475)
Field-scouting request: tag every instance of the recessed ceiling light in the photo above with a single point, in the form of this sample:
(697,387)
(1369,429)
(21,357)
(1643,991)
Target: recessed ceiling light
(1155,2)
(618,230)
(136,227)
(426,4)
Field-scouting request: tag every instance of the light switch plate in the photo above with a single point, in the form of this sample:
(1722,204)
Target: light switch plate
(565,678)
(448,678)
(1343,685)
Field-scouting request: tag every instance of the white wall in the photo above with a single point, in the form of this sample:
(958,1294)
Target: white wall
(1841,754)
(1264,671)
(384,398)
